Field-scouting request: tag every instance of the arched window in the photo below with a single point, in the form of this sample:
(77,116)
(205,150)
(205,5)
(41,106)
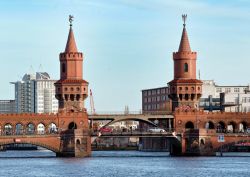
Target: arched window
(72,126)
(63,68)
(185,67)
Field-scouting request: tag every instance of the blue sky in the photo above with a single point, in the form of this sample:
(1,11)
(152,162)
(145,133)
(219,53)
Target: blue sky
(128,44)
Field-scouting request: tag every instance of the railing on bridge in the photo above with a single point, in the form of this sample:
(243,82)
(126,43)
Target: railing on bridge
(24,133)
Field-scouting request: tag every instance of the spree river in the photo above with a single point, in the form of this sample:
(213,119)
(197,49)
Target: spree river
(120,164)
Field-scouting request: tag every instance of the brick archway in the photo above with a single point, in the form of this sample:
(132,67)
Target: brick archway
(51,143)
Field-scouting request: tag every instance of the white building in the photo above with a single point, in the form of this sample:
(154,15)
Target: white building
(36,93)
(231,98)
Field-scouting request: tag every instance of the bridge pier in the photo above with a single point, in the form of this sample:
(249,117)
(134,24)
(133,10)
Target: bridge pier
(75,143)
(193,142)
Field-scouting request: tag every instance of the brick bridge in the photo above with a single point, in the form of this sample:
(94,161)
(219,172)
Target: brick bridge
(198,130)
(66,134)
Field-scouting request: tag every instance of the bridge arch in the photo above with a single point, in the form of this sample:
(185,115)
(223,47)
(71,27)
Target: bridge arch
(209,125)
(242,126)
(53,149)
(52,127)
(19,128)
(131,119)
(8,129)
(231,127)
(30,128)
(221,126)
(41,128)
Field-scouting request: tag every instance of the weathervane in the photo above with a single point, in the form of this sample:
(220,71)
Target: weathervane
(71,17)
(184,18)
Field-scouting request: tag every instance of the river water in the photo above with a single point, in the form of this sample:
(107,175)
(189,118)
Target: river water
(43,163)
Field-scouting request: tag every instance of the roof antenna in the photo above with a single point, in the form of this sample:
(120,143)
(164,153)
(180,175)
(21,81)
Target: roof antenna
(31,70)
(40,68)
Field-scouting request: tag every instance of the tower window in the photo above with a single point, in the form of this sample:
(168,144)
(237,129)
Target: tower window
(185,67)
(63,68)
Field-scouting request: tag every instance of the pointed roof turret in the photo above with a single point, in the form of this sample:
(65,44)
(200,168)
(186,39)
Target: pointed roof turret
(184,44)
(71,43)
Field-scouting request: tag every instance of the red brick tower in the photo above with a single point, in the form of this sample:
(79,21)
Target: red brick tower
(185,89)
(71,89)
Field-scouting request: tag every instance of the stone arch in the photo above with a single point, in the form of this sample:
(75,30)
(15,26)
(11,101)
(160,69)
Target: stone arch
(231,127)
(41,129)
(189,125)
(19,129)
(52,128)
(72,126)
(30,128)
(209,125)
(242,126)
(53,149)
(8,129)
(221,127)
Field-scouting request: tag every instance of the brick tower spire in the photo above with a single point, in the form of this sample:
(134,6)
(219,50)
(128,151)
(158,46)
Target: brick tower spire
(71,89)
(185,89)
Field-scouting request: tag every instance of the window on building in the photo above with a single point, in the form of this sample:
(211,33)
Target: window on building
(228,90)
(218,90)
(63,68)
(237,90)
(185,67)
(149,92)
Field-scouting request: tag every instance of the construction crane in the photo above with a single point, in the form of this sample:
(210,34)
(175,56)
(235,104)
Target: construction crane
(92,106)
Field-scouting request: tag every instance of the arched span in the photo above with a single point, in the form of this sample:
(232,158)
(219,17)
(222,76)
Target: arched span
(55,150)
(131,119)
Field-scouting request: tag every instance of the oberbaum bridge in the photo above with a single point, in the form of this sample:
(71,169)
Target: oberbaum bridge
(68,132)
